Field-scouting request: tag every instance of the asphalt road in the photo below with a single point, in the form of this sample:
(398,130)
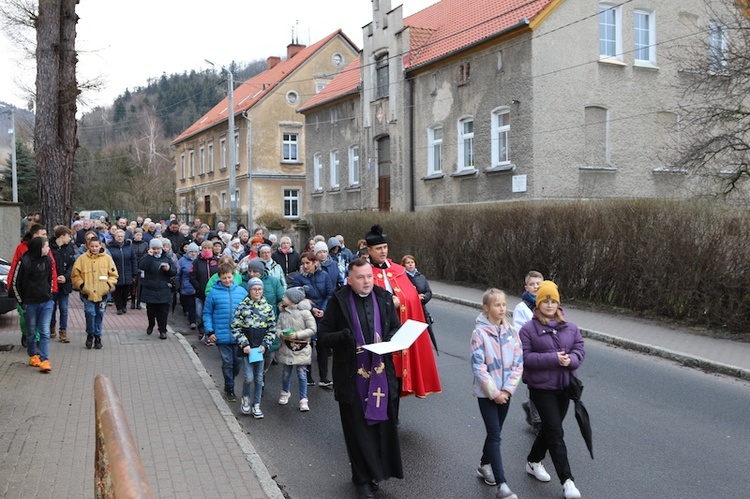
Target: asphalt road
(660,430)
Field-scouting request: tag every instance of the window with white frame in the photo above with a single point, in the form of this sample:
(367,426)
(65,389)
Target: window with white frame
(381,76)
(223,200)
(434,149)
(202,161)
(317,172)
(354,165)
(291,203)
(290,147)
(192,164)
(334,169)
(223,152)
(500,136)
(466,144)
(718,46)
(644,24)
(211,157)
(610,31)
(182,166)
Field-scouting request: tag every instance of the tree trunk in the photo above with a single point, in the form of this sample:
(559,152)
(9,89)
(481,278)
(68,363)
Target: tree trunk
(56,93)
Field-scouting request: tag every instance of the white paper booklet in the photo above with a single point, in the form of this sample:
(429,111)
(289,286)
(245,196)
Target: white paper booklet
(403,339)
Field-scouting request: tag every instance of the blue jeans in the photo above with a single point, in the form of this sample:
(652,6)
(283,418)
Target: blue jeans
(60,302)
(253,374)
(494,416)
(37,319)
(199,312)
(286,379)
(94,315)
(230,364)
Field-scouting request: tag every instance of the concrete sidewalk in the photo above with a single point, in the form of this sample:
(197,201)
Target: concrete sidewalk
(188,447)
(728,357)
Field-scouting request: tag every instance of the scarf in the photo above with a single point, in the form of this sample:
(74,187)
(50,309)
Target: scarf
(372,383)
(529,300)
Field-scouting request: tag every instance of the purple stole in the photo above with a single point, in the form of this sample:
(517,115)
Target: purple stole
(372,383)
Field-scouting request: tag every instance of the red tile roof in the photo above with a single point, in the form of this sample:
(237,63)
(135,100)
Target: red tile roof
(345,83)
(253,90)
(451,25)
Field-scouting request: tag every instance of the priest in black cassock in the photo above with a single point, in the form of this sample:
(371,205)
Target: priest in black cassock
(365,384)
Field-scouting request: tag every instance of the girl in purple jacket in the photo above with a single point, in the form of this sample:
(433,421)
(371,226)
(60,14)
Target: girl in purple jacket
(552,351)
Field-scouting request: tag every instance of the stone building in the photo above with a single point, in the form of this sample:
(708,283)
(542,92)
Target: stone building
(486,101)
(269,137)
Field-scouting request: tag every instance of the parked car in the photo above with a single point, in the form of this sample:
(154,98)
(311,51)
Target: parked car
(93,214)
(7,303)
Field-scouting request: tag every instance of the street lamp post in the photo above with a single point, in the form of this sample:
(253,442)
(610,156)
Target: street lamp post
(14,169)
(232,156)
(232,149)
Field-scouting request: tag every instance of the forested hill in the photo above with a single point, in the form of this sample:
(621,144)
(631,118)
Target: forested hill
(123,162)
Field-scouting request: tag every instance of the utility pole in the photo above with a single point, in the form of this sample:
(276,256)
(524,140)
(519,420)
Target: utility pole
(232,155)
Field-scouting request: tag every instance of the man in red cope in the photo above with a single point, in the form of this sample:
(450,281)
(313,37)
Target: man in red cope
(416,366)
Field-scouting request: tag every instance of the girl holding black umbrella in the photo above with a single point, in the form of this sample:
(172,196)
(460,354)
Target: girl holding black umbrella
(552,351)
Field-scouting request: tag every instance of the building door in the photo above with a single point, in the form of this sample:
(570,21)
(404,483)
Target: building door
(384,174)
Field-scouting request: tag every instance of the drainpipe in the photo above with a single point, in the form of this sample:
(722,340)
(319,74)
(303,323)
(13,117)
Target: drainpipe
(411,145)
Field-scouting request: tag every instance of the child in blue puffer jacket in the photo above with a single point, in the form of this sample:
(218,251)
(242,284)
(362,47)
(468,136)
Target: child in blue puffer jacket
(218,313)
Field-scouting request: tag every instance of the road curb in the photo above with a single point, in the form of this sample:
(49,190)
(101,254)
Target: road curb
(267,483)
(685,360)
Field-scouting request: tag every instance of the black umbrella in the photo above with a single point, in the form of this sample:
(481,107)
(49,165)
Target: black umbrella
(575,389)
(429,320)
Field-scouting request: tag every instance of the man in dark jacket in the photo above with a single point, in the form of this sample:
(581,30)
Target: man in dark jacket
(365,384)
(64,254)
(172,232)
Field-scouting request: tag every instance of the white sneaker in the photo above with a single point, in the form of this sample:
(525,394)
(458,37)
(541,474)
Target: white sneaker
(485,472)
(257,413)
(284,399)
(537,471)
(245,406)
(303,406)
(570,491)
(504,492)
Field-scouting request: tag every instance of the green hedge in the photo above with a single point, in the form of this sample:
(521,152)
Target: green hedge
(681,260)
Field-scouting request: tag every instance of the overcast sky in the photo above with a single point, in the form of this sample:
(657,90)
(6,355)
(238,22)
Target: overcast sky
(126,43)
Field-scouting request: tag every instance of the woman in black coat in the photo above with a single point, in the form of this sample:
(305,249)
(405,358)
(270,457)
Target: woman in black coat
(423,288)
(157,269)
(121,251)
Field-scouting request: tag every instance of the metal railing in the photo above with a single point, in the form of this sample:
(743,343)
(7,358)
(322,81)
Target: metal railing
(118,470)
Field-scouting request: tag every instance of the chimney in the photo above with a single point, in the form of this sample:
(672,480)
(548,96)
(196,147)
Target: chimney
(272,61)
(293,49)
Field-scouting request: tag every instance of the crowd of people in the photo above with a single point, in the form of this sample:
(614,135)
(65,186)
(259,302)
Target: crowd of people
(260,301)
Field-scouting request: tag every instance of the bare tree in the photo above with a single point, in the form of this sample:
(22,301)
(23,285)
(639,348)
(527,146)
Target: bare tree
(56,94)
(715,110)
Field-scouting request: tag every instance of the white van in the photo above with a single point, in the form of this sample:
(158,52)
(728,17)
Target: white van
(93,214)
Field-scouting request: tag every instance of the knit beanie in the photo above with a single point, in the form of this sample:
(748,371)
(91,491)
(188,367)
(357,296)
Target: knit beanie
(320,246)
(193,247)
(295,295)
(156,243)
(547,291)
(256,265)
(254,281)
